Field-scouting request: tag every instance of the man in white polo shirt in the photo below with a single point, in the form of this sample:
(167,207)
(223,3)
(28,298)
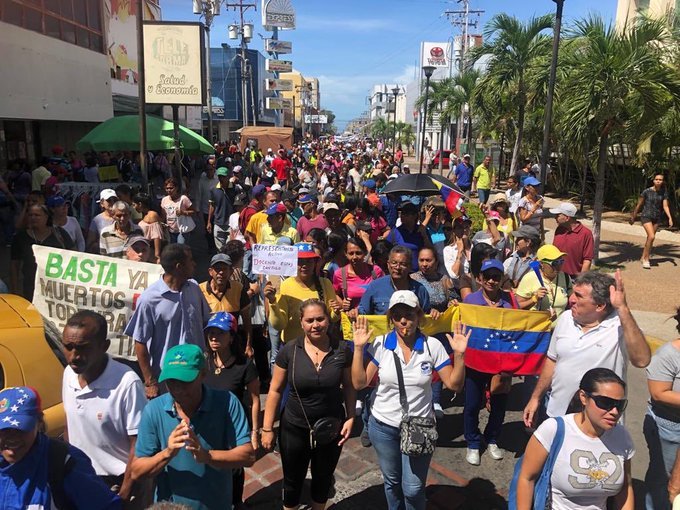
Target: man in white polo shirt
(598,331)
(103,400)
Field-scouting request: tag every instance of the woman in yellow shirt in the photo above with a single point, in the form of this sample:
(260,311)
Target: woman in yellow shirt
(284,306)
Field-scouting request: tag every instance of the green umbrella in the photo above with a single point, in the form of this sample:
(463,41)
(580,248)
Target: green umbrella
(122,134)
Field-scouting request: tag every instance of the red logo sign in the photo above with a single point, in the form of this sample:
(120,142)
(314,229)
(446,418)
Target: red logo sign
(436,52)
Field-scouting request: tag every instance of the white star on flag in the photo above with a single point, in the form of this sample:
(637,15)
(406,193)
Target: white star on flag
(14,409)
(6,419)
(21,400)
(14,423)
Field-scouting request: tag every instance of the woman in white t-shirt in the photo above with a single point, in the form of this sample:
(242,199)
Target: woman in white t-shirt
(418,356)
(174,205)
(593,463)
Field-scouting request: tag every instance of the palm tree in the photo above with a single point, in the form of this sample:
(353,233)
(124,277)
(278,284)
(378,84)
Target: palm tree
(618,84)
(514,48)
(380,128)
(405,136)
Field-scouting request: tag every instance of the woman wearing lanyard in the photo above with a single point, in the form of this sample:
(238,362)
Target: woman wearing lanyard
(417,357)
(351,280)
(551,293)
(530,207)
(490,294)
(316,369)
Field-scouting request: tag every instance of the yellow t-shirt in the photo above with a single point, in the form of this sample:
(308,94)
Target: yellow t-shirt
(483,176)
(232,301)
(284,315)
(266,236)
(557,295)
(507,229)
(255,224)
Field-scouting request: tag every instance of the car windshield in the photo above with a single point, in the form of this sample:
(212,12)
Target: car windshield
(53,338)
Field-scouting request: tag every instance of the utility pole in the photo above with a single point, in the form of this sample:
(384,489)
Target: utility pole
(208,9)
(461,18)
(245,31)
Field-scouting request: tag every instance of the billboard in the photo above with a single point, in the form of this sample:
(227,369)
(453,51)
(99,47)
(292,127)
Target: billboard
(316,119)
(276,46)
(435,54)
(279,103)
(173,63)
(278,66)
(280,85)
(278,13)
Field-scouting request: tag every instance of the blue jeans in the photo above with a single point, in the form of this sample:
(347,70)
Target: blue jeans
(663,439)
(475,389)
(275,341)
(483,195)
(404,476)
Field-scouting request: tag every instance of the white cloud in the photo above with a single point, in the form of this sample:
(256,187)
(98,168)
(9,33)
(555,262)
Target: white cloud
(407,75)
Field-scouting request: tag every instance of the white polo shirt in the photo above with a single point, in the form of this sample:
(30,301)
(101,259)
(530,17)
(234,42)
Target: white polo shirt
(576,352)
(103,415)
(428,354)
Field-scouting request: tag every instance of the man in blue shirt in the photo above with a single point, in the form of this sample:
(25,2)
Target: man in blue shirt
(376,299)
(192,437)
(410,233)
(170,311)
(463,174)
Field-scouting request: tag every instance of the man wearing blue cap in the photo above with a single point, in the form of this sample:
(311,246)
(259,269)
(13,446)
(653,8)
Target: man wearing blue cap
(191,438)
(276,226)
(39,472)
(60,218)
(310,216)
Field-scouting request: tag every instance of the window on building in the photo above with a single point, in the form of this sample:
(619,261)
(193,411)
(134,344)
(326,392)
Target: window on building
(642,5)
(74,21)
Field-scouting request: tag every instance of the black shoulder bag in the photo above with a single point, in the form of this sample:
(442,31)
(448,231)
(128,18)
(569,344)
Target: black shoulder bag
(418,435)
(325,430)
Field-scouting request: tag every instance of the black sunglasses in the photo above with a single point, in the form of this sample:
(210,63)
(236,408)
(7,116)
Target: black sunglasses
(607,403)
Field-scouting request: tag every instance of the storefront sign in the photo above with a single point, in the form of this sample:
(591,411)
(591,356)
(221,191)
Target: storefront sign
(173,63)
(316,119)
(276,46)
(278,66)
(279,103)
(278,13)
(280,85)
(274,259)
(68,281)
(435,54)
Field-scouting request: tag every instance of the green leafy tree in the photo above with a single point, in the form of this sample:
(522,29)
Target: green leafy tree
(514,48)
(617,84)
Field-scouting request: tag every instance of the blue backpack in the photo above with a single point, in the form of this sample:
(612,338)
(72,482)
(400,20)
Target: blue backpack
(542,499)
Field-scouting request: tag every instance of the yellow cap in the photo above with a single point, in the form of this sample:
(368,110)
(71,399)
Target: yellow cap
(549,252)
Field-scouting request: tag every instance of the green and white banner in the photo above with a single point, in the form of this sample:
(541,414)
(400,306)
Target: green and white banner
(68,281)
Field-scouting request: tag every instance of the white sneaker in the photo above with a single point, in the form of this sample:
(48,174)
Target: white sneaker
(358,408)
(438,411)
(495,452)
(472,456)
(646,264)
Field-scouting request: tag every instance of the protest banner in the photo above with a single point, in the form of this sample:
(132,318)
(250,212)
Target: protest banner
(274,259)
(68,281)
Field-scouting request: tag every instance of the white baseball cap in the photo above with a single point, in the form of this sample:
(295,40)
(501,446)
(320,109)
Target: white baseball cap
(275,187)
(404,297)
(565,208)
(106,194)
(330,205)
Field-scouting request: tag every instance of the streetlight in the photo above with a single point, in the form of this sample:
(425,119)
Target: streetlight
(545,151)
(208,9)
(395,91)
(428,70)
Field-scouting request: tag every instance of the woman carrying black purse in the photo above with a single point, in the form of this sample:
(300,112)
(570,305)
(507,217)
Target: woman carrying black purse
(313,425)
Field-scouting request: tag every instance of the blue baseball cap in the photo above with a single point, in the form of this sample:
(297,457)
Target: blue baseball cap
(222,320)
(532,181)
(369,183)
(258,190)
(306,251)
(306,199)
(278,208)
(19,408)
(55,201)
(492,264)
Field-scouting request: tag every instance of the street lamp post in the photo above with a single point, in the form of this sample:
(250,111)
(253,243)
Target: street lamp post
(545,151)
(208,9)
(395,91)
(428,70)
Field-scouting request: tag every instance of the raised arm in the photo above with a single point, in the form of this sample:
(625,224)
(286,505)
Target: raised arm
(638,350)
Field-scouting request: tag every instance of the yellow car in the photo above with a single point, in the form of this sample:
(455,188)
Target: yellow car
(30,355)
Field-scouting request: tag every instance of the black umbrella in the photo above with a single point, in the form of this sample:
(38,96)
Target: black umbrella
(418,184)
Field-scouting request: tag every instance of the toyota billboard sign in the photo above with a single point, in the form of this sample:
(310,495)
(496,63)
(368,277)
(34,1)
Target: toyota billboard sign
(435,54)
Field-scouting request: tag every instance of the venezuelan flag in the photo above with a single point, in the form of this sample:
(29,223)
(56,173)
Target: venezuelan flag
(506,340)
(452,198)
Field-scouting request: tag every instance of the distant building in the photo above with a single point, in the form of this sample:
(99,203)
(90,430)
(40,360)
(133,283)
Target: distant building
(306,99)
(627,10)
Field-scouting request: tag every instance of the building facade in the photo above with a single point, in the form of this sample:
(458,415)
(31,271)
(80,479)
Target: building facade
(627,10)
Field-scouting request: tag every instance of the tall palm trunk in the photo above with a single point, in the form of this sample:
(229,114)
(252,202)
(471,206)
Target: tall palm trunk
(520,128)
(441,146)
(598,206)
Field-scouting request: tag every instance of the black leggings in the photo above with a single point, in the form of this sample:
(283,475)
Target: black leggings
(296,455)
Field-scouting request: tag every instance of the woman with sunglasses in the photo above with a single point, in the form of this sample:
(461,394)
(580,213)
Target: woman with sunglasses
(593,463)
(552,293)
